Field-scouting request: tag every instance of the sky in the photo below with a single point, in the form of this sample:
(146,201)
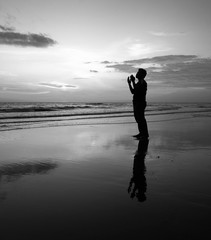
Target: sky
(84,50)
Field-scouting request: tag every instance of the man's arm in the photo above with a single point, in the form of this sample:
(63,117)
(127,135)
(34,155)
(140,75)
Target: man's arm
(132,78)
(130,86)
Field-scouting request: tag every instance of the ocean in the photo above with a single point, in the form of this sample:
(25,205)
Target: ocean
(49,114)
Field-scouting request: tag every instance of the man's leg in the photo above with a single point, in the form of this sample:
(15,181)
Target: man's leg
(143,129)
(142,123)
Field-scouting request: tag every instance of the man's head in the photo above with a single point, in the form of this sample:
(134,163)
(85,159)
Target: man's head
(141,74)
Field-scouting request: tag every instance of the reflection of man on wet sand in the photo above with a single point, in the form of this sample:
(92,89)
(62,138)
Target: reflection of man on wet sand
(138,186)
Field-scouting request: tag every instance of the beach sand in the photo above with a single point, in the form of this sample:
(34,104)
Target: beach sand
(72,182)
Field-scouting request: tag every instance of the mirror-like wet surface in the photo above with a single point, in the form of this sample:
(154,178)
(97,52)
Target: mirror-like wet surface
(97,182)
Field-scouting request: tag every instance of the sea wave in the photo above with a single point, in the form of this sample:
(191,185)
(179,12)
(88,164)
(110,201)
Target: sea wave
(30,115)
(46,107)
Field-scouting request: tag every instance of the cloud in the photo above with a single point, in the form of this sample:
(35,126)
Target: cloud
(123,67)
(152,63)
(131,48)
(58,85)
(5,28)
(137,49)
(106,62)
(34,89)
(182,71)
(163,59)
(93,71)
(10,37)
(169,34)
(80,78)
(21,90)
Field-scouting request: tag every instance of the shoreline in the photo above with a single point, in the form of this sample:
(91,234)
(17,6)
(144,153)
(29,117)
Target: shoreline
(56,114)
(102,120)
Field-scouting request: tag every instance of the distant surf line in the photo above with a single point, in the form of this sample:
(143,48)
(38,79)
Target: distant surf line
(70,124)
(98,115)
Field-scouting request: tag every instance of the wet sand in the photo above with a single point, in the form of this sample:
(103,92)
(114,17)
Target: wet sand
(97,182)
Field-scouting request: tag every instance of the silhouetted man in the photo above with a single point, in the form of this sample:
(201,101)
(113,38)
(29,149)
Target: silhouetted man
(139,91)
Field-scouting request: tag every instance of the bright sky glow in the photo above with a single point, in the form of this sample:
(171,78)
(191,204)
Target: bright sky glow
(70,50)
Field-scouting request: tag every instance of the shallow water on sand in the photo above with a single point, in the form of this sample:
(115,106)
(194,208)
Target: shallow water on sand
(97,182)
